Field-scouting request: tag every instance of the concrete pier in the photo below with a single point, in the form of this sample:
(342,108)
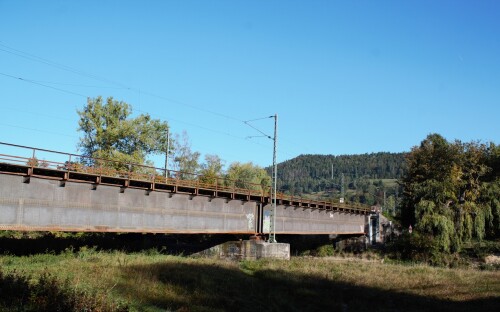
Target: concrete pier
(247,250)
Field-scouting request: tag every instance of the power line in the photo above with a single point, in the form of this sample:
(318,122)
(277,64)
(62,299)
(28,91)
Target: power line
(137,110)
(191,106)
(35,58)
(35,113)
(43,85)
(78,94)
(60,66)
(38,130)
(81,73)
(78,85)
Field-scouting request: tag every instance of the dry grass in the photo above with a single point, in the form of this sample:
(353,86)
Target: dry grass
(157,282)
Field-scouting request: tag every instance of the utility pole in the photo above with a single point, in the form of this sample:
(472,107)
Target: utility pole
(272,232)
(166,154)
(274,175)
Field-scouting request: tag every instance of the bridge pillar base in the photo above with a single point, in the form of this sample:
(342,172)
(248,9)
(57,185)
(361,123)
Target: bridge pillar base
(248,250)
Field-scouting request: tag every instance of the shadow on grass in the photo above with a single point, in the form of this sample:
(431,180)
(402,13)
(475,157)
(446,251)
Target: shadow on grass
(174,244)
(195,287)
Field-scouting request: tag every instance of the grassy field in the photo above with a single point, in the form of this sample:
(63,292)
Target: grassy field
(150,281)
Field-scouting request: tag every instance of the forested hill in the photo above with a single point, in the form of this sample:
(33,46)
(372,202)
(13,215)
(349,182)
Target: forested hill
(313,173)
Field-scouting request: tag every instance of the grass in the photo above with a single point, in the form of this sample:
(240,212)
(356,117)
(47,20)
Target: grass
(150,281)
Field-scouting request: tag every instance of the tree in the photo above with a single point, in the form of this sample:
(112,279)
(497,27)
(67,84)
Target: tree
(446,193)
(248,176)
(109,133)
(184,159)
(211,170)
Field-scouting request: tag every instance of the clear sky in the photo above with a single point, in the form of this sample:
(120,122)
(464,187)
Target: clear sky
(344,77)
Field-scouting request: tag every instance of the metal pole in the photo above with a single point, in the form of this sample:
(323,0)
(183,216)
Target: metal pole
(272,234)
(166,154)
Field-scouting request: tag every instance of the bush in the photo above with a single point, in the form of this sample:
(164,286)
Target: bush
(325,251)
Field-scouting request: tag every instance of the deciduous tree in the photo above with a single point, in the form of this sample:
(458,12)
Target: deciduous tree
(447,195)
(110,133)
(248,176)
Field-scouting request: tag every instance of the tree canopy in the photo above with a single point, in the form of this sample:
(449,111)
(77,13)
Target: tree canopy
(449,192)
(248,176)
(109,132)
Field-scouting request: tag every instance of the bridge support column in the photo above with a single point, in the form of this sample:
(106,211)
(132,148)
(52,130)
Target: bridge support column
(248,250)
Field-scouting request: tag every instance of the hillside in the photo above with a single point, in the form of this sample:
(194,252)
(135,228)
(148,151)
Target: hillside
(364,175)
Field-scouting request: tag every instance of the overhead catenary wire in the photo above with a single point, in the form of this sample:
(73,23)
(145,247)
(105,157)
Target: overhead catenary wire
(134,109)
(248,123)
(77,85)
(33,57)
(13,51)
(38,130)
(36,58)
(43,85)
(39,114)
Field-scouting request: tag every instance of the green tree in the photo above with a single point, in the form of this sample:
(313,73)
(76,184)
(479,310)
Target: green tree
(390,205)
(248,176)
(211,170)
(109,133)
(446,195)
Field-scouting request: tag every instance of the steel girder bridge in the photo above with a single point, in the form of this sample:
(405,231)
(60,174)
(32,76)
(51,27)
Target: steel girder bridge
(44,190)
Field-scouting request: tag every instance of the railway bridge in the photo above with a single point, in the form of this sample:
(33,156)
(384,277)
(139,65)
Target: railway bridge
(43,190)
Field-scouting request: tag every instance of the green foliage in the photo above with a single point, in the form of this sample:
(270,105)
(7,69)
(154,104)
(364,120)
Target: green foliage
(109,133)
(447,195)
(325,251)
(442,232)
(247,176)
(211,170)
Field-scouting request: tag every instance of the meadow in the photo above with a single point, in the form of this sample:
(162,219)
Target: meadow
(92,280)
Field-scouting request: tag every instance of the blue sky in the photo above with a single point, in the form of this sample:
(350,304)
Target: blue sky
(344,77)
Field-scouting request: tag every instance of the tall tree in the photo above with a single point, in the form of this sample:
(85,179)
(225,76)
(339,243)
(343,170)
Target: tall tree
(110,133)
(446,195)
(186,162)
